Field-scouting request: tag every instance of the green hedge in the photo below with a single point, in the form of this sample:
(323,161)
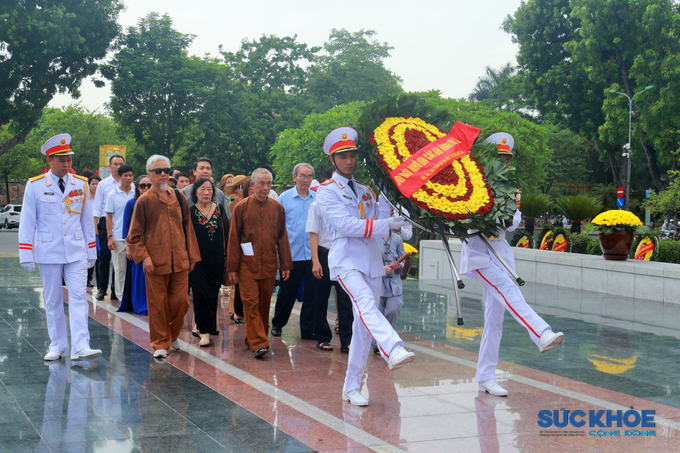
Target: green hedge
(669,252)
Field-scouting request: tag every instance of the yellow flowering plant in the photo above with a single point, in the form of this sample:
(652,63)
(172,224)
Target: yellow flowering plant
(616,220)
(470,193)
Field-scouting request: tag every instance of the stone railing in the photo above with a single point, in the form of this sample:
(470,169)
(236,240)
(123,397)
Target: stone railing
(639,279)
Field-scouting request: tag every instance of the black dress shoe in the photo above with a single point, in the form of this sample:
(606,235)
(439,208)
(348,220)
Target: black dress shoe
(101,294)
(276,332)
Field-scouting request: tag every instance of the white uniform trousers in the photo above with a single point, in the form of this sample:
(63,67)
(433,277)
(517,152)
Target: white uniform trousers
(75,276)
(500,294)
(119,261)
(364,293)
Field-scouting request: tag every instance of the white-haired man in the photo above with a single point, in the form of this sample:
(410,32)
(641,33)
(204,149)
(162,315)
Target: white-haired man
(258,246)
(162,237)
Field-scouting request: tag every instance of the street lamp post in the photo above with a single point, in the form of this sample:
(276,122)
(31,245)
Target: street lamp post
(627,145)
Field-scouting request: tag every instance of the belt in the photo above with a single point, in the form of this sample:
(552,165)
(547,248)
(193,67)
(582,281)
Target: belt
(324,249)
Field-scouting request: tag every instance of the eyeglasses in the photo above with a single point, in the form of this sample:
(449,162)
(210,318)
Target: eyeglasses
(239,187)
(305,176)
(144,186)
(158,171)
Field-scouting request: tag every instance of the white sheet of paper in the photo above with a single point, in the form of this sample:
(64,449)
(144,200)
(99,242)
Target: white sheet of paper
(247,248)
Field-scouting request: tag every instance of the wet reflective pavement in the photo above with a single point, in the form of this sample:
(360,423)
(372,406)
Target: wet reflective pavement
(618,353)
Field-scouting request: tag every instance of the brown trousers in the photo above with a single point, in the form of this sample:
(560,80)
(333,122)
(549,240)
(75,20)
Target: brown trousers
(168,302)
(257,296)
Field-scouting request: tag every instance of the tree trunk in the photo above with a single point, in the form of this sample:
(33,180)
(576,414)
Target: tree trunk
(18,139)
(576,226)
(529,224)
(617,167)
(7,187)
(650,152)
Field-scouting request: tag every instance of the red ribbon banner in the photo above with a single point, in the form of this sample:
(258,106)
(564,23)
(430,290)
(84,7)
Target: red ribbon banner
(422,166)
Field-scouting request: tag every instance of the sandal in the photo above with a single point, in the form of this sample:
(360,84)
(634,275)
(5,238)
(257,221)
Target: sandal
(324,346)
(259,352)
(195,332)
(344,349)
(337,325)
(205,340)
(237,320)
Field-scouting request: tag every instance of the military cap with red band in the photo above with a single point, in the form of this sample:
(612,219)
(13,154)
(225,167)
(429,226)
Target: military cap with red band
(59,145)
(503,141)
(340,140)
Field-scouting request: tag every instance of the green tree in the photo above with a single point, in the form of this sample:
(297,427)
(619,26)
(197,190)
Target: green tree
(88,131)
(48,47)
(571,159)
(352,69)
(668,200)
(578,208)
(256,95)
(534,205)
(158,90)
(305,144)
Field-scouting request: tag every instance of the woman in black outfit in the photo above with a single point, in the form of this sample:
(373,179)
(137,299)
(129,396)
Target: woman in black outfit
(212,232)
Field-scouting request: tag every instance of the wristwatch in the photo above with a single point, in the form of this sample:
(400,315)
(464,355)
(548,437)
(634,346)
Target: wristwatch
(109,235)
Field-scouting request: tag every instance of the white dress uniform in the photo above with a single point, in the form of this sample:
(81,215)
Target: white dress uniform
(500,294)
(355,261)
(57,232)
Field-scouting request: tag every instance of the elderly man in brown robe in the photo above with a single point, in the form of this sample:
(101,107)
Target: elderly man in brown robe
(162,237)
(258,245)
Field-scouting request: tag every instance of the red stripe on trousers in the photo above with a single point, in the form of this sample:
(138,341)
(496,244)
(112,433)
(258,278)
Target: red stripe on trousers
(361,317)
(508,304)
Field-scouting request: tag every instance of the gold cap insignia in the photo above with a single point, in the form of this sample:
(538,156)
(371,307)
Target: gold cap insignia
(344,136)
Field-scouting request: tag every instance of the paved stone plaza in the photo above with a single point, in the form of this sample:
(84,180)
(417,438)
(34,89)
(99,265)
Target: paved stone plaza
(618,353)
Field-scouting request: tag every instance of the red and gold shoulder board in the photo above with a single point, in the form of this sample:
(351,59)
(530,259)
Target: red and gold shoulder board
(328,181)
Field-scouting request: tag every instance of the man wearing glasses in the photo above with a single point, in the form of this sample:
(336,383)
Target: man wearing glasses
(296,203)
(162,238)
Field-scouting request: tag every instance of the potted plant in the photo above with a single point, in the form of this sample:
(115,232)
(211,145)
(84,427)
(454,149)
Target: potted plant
(617,229)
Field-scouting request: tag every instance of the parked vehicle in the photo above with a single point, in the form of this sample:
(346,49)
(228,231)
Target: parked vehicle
(10,216)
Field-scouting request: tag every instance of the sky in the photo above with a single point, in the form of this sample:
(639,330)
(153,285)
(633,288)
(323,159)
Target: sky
(438,44)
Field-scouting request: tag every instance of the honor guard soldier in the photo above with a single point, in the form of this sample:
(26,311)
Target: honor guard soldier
(351,210)
(500,291)
(57,232)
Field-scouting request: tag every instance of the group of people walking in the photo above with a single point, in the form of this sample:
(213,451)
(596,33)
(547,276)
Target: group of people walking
(337,233)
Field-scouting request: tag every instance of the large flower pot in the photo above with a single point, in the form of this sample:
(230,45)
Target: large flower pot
(617,245)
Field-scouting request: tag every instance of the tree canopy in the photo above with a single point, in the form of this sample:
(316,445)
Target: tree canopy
(48,47)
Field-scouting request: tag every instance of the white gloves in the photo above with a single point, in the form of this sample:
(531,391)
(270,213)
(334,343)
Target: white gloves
(91,263)
(29,266)
(397,222)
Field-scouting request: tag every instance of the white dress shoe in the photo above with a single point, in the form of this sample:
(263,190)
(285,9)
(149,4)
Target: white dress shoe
(549,339)
(355,397)
(160,353)
(492,387)
(175,345)
(53,354)
(400,357)
(86,354)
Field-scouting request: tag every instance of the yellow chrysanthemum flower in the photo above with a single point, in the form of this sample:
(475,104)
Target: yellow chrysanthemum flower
(615,217)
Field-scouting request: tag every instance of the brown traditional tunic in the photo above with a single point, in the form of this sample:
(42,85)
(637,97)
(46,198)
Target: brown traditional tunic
(263,224)
(157,230)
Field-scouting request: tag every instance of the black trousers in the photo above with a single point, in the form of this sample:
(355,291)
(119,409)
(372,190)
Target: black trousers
(238,302)
(322,332)
(205,281)
(103,258)
(285,300)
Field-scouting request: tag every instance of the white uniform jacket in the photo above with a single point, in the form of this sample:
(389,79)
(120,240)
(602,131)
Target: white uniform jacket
(475,255)
(352,220)
(58,228)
